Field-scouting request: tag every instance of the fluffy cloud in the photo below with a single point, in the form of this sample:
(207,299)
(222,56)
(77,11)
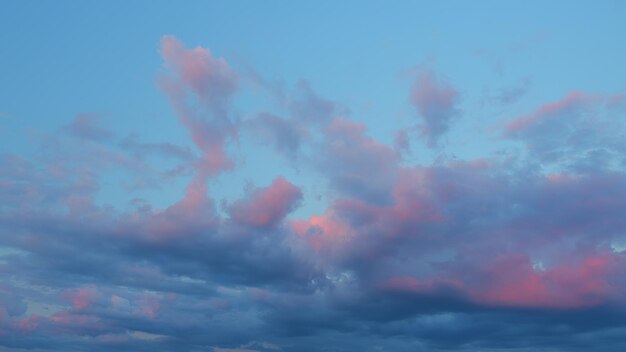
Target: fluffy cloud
(268,206)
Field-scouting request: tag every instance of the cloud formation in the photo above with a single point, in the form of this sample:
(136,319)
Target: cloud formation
(435,101)
(516,252)
(580,131)
(200,87)
(267,206)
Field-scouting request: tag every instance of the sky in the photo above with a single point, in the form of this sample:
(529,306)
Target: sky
(254,176)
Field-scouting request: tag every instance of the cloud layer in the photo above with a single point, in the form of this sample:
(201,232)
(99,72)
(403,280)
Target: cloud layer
(518,251)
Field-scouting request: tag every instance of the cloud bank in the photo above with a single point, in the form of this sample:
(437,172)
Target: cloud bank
(516,252)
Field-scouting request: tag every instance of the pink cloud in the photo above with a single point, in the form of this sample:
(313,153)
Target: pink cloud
(187,217)
(349,219)
(29,324)
(70,323)
(209,77)
(323,232)
(415,199)
(512,281)
(466,232)
(266,207)
(82,298)
(149,306)
(200,88)
(568,104)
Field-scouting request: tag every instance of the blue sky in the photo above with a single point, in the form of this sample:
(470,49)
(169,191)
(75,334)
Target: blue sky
(99,57)
(383,167)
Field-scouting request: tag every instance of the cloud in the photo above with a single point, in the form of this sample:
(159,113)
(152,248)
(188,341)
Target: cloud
(402,142)
(436,102)
(197,76)
(504,252)
(513,93)
(309,108)
(356,164)
(285,135)
(267,206)
(211,79)
(86,126)
(82,298)
(572,104)
(580,131)
(132,144)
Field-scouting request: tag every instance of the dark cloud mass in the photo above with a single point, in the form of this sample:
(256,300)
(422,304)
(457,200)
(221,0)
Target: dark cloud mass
(510,252)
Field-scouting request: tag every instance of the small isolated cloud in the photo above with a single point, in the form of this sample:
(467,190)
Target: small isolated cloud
(435,101)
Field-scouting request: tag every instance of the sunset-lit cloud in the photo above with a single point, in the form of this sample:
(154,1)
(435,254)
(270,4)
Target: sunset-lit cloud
(267,219)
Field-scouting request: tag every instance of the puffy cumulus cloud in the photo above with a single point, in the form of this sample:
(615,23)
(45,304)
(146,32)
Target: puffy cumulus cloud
(514,252)
(436,102)
(267,206)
